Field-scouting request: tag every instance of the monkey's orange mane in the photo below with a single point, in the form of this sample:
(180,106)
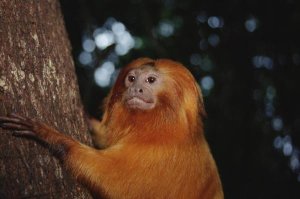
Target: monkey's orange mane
(178,108)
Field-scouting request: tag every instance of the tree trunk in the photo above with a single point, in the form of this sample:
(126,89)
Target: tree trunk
(37,79)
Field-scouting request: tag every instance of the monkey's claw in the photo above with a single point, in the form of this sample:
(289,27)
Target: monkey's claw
(18,124)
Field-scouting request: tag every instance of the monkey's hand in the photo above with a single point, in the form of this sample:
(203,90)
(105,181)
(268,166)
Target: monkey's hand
(93,124)
(20,125)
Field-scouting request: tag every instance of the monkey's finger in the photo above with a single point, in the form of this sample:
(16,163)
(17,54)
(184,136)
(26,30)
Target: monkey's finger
(25,120)
(4,119)
(8,119)
(14,115)
(23,132)
(13,126)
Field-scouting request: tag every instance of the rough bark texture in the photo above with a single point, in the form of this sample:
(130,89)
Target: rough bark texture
(37,79)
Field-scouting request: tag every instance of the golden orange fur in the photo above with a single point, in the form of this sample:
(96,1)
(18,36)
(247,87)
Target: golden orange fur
(164,150)
(157,153)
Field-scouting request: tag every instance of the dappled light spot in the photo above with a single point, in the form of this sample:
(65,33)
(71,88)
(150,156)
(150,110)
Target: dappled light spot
(202,17)
(85,58)
(207,83)
(215,22)
(287,149)
(270,93)
(269,109)
(104,73)
(278,142)
(195,59)
(166,28)
(104,39)
(125,42)
(294,161)
(262,61)
(251,24)
(214,40)
(277,124)
(88,45)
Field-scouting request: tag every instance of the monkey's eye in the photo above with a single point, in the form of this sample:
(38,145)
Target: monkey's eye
(131,78)
(151,80)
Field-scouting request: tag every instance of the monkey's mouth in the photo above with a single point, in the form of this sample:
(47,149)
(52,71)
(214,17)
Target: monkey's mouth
(139,103)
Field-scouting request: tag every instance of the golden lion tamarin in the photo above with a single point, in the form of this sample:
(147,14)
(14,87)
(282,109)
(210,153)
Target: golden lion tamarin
(151,138)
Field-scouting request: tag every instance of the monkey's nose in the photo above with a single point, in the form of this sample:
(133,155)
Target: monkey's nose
(136,90)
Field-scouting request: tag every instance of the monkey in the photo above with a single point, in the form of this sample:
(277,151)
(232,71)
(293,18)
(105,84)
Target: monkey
(150,141)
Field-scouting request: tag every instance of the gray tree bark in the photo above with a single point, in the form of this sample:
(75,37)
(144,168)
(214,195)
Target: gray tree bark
(37,79)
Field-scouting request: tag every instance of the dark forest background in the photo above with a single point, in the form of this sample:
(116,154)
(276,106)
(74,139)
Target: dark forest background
(245,56)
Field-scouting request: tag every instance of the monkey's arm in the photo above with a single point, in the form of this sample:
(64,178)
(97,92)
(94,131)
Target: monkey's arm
(85,163)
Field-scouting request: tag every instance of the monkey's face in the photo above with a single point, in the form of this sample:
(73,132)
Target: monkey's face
(142,86)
